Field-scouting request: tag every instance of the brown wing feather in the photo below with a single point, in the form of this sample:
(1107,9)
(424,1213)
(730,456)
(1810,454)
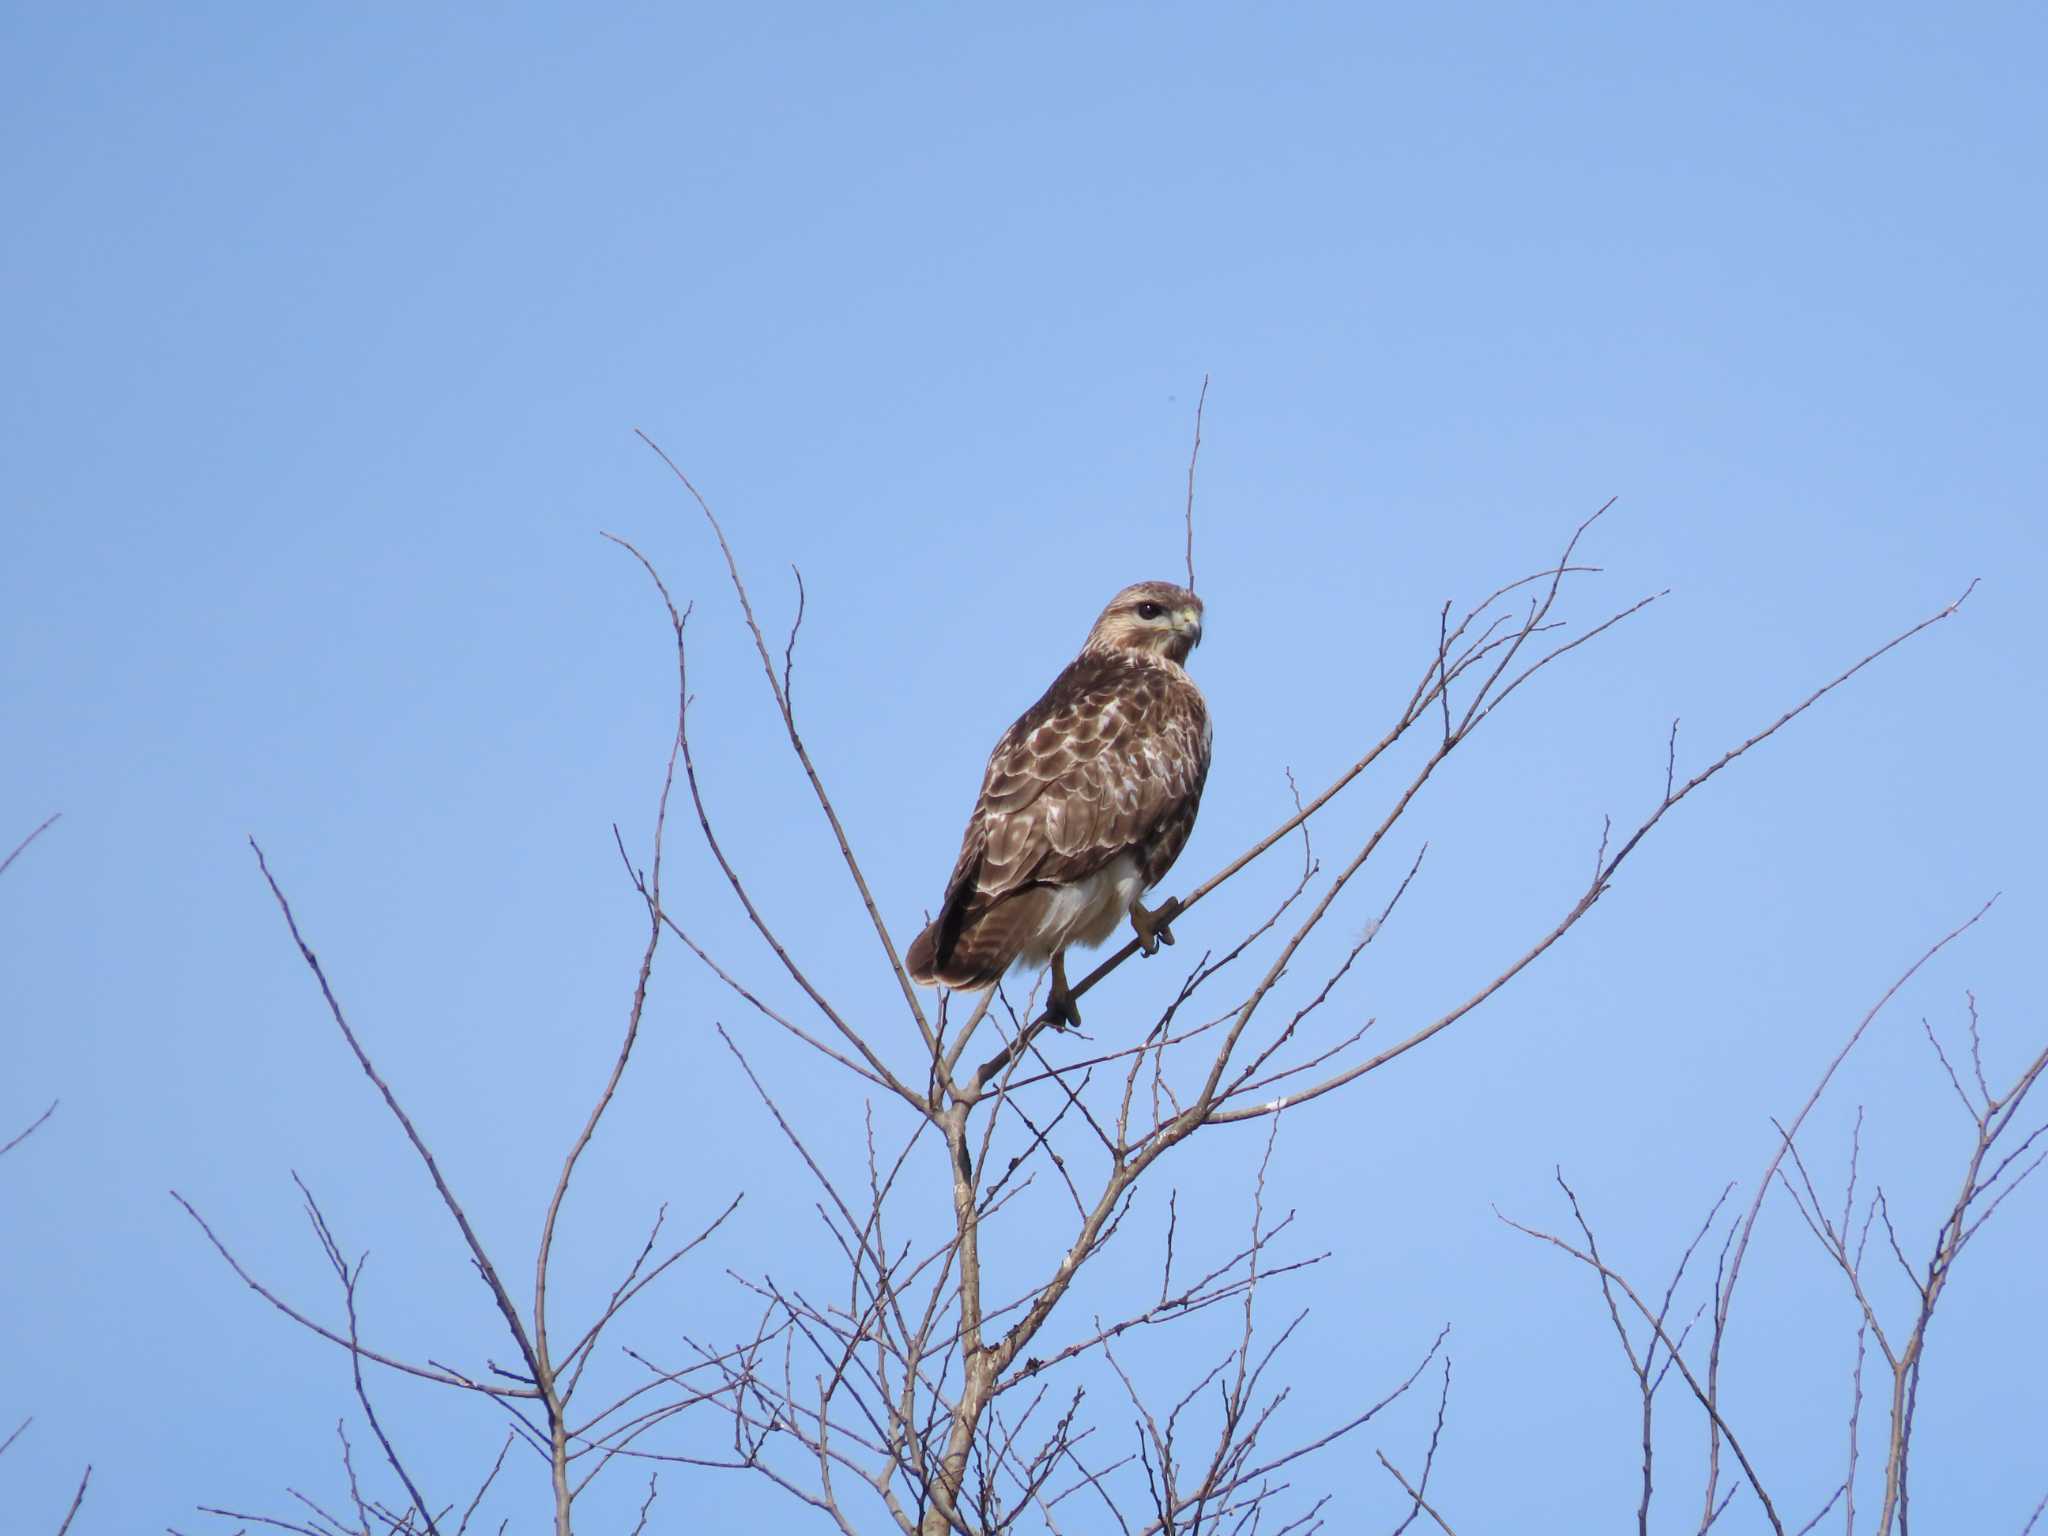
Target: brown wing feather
(1112,759)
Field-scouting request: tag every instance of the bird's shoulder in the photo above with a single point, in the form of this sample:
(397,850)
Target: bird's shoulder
(1107,717)
(1100,699)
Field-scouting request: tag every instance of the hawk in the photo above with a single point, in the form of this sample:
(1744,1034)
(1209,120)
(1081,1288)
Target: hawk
(1087,801)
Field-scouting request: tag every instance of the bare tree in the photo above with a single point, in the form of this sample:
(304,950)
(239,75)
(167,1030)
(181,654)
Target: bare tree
(939,1383)
(954,1371)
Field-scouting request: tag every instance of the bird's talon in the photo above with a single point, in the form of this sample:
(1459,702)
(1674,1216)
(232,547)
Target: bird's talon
(1060,1010)
(1151,927)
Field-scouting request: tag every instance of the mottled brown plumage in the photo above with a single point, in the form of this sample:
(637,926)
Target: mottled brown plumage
(1087,801)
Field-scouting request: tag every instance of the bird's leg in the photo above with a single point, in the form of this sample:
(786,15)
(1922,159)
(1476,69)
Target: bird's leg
(1151,925)
(1059,1002)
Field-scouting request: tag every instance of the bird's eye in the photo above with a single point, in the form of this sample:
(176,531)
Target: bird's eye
(1149,610)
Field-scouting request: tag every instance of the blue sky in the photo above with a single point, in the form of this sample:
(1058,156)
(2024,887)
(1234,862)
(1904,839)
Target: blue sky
(326,335)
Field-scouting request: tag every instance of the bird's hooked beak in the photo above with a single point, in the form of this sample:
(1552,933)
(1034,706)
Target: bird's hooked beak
(1188,621)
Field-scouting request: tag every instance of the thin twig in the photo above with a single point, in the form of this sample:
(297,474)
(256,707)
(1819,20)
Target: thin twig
(1415,1494)
(77,1499)
(1194,454)
(33,1126)
(48,821)
(349,1278)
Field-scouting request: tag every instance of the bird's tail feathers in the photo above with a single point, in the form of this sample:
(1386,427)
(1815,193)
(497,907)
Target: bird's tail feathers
(970,948)
(928,968)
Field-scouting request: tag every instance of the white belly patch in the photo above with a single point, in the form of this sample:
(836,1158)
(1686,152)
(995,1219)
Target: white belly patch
(1087,911)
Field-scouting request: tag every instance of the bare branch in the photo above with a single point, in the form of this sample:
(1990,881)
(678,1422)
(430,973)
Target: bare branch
(484,1266)
(442,1375)
(1671,1346)
(1414,1493)
(1443,1403)
(1602,879)
(677,621)
(782,704)
(348,1279)
(1726,1291)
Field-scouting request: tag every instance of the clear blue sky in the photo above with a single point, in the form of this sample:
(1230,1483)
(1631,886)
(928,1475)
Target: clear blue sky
(325,332)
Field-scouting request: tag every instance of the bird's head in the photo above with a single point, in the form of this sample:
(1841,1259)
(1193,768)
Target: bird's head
(1154,616)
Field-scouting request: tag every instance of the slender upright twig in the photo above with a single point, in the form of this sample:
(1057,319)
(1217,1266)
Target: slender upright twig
(1195,453)
(47,822)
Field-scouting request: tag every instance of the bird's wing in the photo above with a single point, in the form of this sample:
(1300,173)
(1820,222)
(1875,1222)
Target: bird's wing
(1086,774)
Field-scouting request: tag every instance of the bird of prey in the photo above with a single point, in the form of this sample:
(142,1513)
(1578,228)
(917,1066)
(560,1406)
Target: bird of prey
(1087,801)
